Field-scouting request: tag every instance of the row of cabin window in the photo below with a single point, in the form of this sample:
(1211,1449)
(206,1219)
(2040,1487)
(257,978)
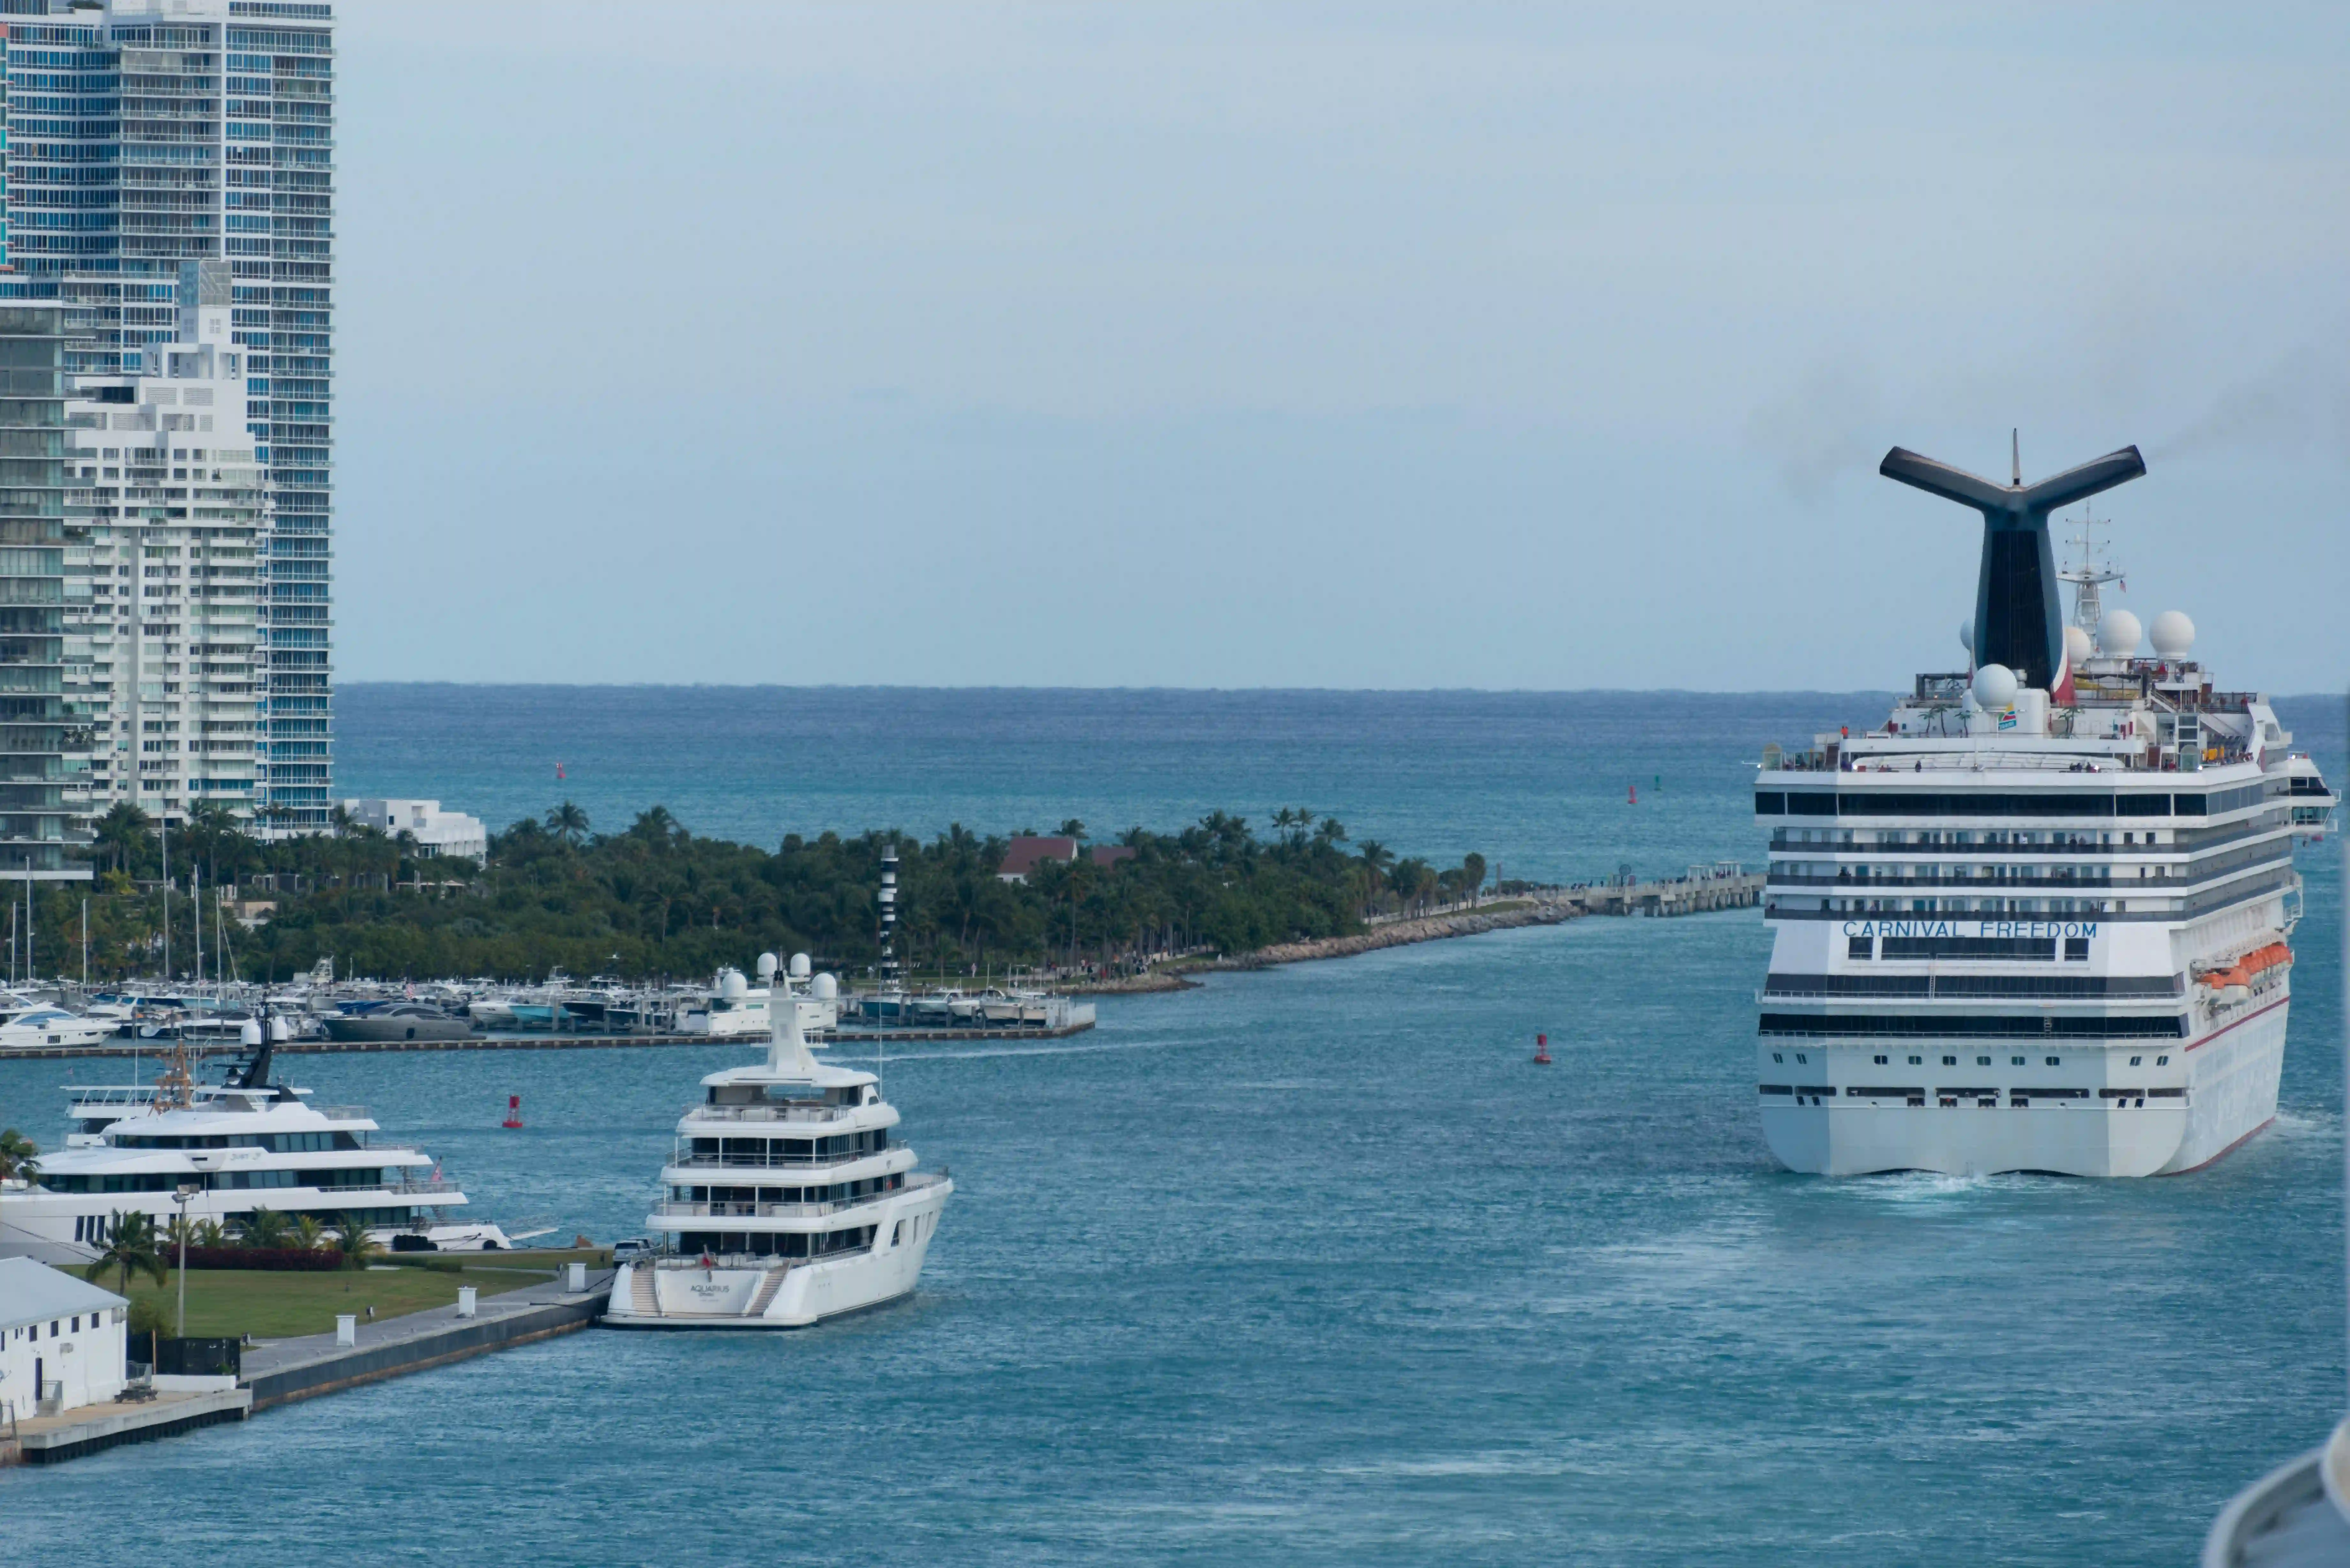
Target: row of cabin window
(1880,802)
(778,1244)
(2166,1026)
(1913,949)
(794,1150)
(277,1142)
(222,1181)
(1973,985)
(93,1227)
(1803,1058)
(838,1192)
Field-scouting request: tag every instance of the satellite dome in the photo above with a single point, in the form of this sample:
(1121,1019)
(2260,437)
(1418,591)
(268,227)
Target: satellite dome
(731,985)
(2117,634)
(1967,635)
(1995,686)
(250,1034)
(2077,647)
(2172,635)
(827,987)
(767,966)
(800,966)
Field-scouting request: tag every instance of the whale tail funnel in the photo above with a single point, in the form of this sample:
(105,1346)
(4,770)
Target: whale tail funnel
(2018,621)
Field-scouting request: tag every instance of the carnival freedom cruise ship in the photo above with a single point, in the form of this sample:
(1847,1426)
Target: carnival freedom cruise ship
(2040,919)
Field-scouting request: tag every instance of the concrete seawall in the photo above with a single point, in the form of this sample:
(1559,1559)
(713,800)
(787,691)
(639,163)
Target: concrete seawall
(288,1370)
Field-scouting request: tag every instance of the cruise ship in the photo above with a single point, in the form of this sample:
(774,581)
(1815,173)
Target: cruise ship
(2040,919)
(788,1200)
(241,1145)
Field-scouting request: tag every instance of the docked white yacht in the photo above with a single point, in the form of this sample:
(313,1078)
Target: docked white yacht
(787,1200)
(2039,919)
(241,1146)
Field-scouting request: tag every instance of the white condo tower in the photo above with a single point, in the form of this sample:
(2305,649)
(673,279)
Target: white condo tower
(2038,920)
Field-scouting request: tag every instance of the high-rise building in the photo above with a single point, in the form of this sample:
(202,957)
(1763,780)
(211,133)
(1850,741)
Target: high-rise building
(41,747)
(144,136)
(165,517)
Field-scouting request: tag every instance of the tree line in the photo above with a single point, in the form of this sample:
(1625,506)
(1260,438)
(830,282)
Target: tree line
(654,899)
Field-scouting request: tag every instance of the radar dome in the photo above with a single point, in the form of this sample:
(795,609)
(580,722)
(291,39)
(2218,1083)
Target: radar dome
(1967,635)
(2077,647)
(251,1033)
(731,985)
(1995,686)
(2172,635)
(767,966)
(827,987)
(800,966)
(2117,634)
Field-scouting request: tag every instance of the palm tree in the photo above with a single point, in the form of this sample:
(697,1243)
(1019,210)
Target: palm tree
(123,832)
(1376,858)
(19,1155)
(266,1228)
(1332,831)
(568,822)
(310,1233)
(352,1236)
(1072,828)
(132,1246)
(209,1234)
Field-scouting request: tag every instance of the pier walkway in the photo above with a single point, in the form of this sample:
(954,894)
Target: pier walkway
(285,1370)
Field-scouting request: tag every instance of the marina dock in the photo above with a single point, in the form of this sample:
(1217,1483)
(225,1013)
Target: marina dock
(616,1041)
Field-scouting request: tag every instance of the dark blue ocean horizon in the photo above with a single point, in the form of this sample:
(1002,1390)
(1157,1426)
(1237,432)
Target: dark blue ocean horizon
(1311,1265)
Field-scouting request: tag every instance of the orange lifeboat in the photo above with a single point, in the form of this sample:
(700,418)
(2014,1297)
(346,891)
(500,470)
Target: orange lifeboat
(2245,970)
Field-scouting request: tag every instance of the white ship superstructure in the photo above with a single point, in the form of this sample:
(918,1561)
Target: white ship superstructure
(2039,919)
(788,1198)
(241,1147)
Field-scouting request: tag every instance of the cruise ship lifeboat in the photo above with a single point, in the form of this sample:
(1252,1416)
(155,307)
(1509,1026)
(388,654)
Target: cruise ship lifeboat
(2234,984)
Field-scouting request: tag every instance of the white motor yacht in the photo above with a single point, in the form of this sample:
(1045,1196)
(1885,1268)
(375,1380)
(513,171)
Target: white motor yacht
(787,1200)
(245,1144)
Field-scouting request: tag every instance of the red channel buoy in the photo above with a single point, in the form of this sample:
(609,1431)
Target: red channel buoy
(514,1111)
(1636,795)
(1542,1050)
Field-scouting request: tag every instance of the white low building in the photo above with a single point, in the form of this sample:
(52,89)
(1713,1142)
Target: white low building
(61,1340)
(436,832)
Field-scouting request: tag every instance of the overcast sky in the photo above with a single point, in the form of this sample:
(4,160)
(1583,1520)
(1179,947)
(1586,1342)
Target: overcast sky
(1302,345)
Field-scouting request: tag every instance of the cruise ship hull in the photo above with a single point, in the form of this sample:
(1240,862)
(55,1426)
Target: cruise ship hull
(2230,1081)
(737,1292)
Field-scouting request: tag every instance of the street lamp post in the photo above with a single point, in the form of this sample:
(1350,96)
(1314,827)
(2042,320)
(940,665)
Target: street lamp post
(185,1196)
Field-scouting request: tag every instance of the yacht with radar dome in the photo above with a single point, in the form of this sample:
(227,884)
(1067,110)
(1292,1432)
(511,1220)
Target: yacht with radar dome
(2041,917)
(788,1198)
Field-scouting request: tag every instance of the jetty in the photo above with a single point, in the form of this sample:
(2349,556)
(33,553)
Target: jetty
(1725,885)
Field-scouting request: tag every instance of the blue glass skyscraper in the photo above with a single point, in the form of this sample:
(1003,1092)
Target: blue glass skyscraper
(145,134)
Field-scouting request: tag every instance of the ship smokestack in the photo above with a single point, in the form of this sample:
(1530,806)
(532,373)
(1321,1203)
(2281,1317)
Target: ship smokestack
(2018,622)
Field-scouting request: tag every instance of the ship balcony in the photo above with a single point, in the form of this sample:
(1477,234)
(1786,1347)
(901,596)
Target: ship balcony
(705,1162)
(816,1114)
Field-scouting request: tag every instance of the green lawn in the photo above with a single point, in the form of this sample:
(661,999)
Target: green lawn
(267,1305)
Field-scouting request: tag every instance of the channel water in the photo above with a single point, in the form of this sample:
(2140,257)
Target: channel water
(1310,1265)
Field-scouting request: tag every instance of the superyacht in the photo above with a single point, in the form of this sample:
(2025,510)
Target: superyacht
(786,1200)
(233,1149)
(2040,920)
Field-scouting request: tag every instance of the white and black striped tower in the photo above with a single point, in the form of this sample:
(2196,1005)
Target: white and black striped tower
(890,914)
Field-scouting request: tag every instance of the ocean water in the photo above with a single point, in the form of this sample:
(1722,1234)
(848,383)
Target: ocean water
(1312,1265)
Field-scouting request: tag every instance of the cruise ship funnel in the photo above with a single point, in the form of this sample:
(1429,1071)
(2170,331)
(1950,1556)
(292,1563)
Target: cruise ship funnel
(2018,621)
